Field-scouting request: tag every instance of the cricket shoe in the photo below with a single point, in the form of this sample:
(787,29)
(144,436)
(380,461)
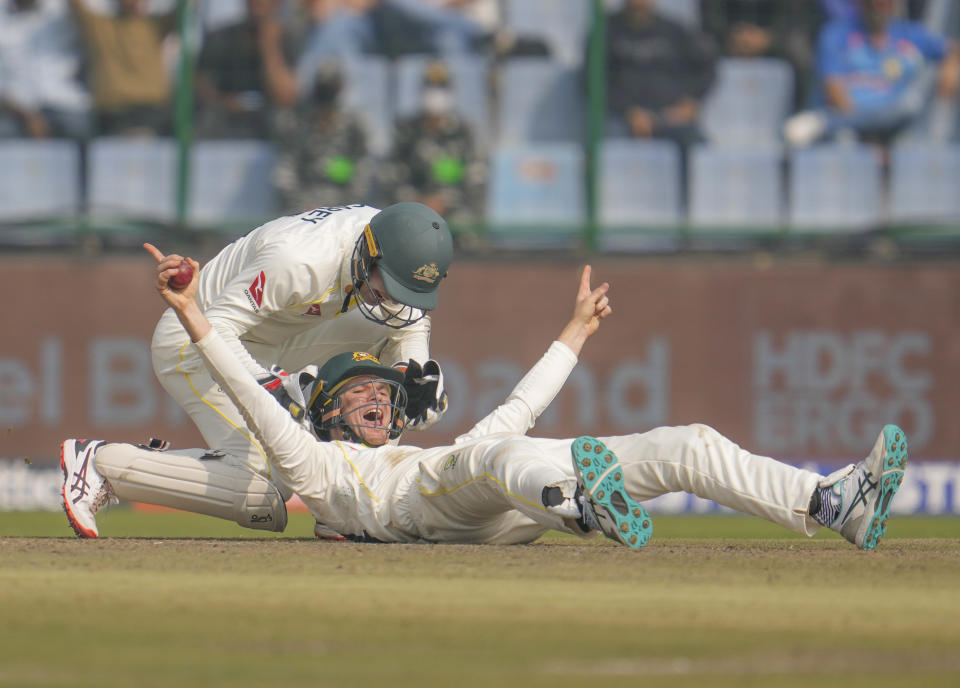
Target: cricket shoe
(606,505)
(864,490)
(84,490)
(322,532)
(562,498)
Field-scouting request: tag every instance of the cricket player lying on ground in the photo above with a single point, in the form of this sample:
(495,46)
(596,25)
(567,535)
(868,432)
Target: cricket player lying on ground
(300,289)
(492,485)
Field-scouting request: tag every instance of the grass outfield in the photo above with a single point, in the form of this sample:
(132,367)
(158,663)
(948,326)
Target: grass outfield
(168,599)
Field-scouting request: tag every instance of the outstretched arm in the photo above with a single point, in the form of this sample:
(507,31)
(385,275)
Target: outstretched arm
(182,301)
(289,447)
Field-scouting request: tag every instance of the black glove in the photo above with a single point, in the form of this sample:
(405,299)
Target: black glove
(425,392)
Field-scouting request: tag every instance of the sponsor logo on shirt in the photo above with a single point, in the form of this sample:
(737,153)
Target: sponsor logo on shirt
(254,292)
(314,309)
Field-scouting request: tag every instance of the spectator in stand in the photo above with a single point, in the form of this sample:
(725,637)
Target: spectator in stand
(389,28)
(237,75)
(435,159)
(483,14)
(323,157)
(41,89)
(131,87)
(873,76)
(448,27)
(766,28)
(335,29)
(657,75)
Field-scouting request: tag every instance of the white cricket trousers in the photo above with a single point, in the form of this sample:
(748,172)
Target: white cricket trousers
(699,460)
(493,494)
(184,376)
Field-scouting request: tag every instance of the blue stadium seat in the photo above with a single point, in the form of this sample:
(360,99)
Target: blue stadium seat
(132,178)
(835,188)
(230,181)
(366,91)
(536,192)
(924,182)
(222,13)
(563,24)
(539,101)
(470,85)
(639,183)
(39,179)
(748,102)
(736,188)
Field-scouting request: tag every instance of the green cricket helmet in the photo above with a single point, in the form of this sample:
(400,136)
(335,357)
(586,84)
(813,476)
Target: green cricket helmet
(340,374)
(411,246)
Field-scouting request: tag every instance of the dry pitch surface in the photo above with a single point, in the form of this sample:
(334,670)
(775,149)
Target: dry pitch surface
(712,601)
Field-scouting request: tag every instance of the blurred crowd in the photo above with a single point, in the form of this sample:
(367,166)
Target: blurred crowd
(89,68)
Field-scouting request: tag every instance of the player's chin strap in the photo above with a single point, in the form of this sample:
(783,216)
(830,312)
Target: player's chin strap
(350,288)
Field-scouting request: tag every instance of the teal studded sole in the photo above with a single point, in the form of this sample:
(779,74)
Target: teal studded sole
(891,477)
(601,475)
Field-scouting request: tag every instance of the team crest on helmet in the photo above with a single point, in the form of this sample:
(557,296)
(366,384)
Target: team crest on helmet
(359,356)
(427,273)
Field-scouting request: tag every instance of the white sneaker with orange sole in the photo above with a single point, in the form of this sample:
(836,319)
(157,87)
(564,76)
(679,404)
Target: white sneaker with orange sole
(84,490)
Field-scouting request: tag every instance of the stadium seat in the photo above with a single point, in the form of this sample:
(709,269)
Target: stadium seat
(132,178)
(748,102)
(942,17)
(366,91)
(539,101)
(39,179)
(536,192)
(736,188)
(563,24)
(222,13)
(470,85)
(639,183)
(835,188)
(231,181)
(924,182)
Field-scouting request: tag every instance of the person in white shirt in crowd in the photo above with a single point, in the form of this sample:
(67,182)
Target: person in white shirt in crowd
(42,93)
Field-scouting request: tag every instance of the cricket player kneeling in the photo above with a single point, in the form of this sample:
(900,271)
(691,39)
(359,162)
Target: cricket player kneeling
(494,484)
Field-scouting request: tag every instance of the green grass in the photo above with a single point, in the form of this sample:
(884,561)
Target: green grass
(176,600)
(125,522)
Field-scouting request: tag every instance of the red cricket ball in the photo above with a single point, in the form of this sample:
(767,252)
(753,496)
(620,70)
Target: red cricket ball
(183,278)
